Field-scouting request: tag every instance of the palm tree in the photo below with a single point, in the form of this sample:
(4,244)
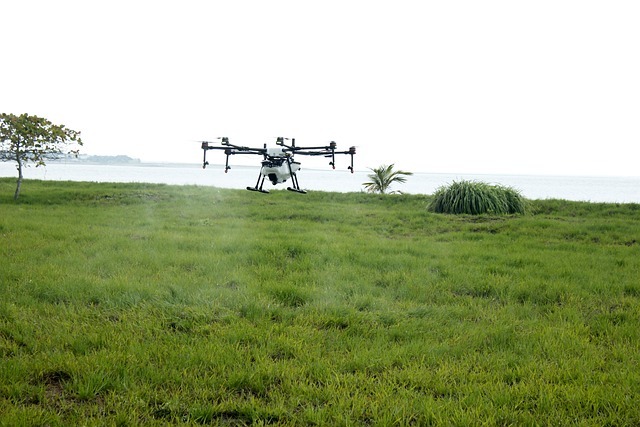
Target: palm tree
(383,177)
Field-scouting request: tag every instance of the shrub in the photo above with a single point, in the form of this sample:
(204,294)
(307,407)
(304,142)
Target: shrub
(383,177)
(476,198)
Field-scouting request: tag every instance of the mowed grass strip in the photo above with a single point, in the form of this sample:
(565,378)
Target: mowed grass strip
(137,304)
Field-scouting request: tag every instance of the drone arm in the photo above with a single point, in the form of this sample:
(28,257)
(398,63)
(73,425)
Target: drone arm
(299,149)
(312,151)
(253,151)
(235,149)
(229,149)
(327,151)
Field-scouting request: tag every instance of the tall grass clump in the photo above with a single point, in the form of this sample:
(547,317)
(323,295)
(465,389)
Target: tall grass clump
(476,198)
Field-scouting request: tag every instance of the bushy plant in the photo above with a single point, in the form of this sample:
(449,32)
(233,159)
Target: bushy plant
(476,198)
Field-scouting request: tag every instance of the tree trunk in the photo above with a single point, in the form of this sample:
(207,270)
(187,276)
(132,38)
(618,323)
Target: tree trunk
(19,183)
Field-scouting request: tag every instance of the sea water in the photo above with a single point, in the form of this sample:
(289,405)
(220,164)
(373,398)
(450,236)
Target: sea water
(580,188)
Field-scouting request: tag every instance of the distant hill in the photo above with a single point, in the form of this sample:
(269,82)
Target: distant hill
(84,158)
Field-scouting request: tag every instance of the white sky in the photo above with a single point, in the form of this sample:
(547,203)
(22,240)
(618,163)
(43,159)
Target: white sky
(468,86)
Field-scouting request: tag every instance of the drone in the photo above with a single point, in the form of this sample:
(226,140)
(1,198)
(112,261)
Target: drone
(278,164)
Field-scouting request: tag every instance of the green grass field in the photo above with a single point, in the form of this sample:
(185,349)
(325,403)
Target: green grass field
(135,304)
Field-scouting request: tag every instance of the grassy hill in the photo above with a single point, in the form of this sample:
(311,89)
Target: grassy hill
(137,304)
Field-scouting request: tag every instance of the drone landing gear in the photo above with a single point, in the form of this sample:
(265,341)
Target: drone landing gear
(256,188)
(297,190)
(294,180)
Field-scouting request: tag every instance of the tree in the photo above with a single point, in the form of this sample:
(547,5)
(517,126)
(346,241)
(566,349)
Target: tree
(28,139)
(383,177)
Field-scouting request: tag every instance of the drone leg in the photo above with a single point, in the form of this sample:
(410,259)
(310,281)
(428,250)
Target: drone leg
(296,186)
(261,184)
(294,177)
(256,188)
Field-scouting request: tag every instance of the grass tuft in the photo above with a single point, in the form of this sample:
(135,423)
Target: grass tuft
(477,198)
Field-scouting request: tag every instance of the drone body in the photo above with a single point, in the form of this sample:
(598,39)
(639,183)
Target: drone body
(277,163)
